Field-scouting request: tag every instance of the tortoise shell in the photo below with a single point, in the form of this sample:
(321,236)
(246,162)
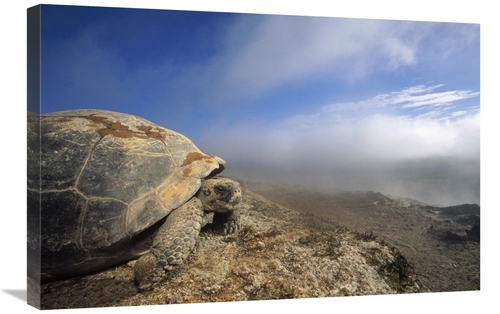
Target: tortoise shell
(98,180)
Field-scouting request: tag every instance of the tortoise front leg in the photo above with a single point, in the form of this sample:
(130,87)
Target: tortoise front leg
(227,222)
(232,223)
(172,244)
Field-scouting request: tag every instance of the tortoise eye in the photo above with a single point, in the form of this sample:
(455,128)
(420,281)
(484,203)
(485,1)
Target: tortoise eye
(220,189)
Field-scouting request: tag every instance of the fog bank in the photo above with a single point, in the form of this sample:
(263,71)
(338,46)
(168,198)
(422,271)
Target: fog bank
(433,161)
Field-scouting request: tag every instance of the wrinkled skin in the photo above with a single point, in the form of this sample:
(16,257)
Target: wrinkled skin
(177,237)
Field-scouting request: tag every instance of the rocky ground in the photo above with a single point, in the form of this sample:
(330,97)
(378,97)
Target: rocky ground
(300,243)
(442,244)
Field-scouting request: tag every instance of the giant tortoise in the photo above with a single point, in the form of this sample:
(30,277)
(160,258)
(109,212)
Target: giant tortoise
(105,188)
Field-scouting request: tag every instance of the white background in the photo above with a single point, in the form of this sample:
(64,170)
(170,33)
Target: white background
(13,152)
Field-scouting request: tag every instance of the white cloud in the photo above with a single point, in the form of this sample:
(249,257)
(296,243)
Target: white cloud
(263,53)
(286,47)
(281,49)
(365,152)
(434,161)
(439,132)
(438,99)
(376,137)
(416,97)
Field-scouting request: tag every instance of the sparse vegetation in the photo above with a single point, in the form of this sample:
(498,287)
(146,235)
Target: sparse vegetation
(333,245)
(247,233)
(331,242)
(301,256)
(418,230)
(364,236)
(313,237)
(286,292)
(398,270)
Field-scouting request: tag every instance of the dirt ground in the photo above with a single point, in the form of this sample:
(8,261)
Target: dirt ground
(300,243)
(442,262)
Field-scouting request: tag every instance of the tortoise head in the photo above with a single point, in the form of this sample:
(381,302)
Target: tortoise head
(220,195)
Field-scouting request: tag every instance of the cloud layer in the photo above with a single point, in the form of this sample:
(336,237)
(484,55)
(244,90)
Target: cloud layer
(264,53)
(414,156)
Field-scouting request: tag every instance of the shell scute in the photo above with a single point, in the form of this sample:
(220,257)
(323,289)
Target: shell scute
(102,179)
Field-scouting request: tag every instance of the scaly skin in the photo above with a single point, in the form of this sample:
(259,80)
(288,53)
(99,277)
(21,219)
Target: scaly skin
(177,237)
(174,241)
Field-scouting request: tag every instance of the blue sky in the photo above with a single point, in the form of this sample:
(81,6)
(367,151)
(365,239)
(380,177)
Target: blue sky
(431,67)
(338,102)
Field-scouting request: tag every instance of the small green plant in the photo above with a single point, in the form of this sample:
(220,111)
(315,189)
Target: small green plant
(285,292)
(288,291)
(333,244)
(247,233)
